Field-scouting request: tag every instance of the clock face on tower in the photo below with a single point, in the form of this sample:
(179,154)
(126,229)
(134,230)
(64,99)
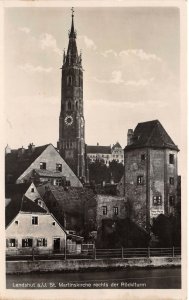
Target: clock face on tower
(68,120)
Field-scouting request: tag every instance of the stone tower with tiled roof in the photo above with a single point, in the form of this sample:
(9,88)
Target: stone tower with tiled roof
(71,142)
(150,179)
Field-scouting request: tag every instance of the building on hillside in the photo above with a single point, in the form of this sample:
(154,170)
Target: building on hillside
(103,207)
(117,153)
(38,164)
(105,153)
(150,178)
(100,153)
(71,142)
(30,226)
(67,205)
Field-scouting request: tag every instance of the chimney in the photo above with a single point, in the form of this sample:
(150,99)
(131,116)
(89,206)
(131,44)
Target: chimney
(130,134)
(7,149)
(31,147)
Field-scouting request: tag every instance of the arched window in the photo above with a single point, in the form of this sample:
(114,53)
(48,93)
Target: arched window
(69,80)
(69,105)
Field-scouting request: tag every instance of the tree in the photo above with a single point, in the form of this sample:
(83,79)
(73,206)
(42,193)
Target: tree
(98,171)
(116,169)
(168,230)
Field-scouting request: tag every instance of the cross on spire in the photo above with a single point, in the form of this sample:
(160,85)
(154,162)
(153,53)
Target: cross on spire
(72,9)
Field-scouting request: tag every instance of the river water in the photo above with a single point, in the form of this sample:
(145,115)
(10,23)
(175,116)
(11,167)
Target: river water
(158,278)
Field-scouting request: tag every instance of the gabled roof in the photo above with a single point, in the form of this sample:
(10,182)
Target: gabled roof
(117,145)
(21,204)
(16,164)
(151,134)
(13,189)
(30,206)
(99,149)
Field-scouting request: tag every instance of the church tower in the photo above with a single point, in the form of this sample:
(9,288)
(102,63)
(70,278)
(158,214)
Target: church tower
(71,142)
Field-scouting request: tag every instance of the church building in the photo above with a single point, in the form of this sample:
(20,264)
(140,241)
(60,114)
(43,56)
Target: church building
(71,144)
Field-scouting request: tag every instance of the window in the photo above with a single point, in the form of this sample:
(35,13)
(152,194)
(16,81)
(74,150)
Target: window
(143,157)
(67,183)
(32,190)
(115,210)
(104,210)
(42,165)
(53,223)
(69,105)
(41,242)
(140,180)
(58,182)
(34,220)
(27,242)
(171,180)
(16,222)
(12,243)
(69,80)
(157,200)
(171,159)
(59,167)
(171,200)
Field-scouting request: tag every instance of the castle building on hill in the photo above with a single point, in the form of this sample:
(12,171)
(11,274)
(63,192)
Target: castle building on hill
(105,153)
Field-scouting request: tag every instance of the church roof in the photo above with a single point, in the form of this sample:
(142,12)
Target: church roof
(151,134)
(72,58)
(21,204)
(117,145)
(16,163)
(99,149)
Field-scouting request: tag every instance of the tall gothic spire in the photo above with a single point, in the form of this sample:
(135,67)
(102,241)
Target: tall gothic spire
(72,57)
(72,33)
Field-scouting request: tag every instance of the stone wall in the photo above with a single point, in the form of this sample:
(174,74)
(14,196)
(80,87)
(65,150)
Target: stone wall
(85,264)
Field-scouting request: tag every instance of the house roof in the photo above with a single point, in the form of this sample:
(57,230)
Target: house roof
(99,149)
(21,204)
(117,145)
(151,134)
(16,163)
(70,199)
(13,189)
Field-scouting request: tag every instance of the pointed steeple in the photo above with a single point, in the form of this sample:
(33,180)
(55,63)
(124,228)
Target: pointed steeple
(72,57)
(72,33)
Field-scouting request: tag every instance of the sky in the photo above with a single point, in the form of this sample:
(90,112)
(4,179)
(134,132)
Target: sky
(131,71)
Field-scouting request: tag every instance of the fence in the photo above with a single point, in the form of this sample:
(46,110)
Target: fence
(90,252)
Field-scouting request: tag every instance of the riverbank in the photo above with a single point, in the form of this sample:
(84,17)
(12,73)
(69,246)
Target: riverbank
(40,266)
